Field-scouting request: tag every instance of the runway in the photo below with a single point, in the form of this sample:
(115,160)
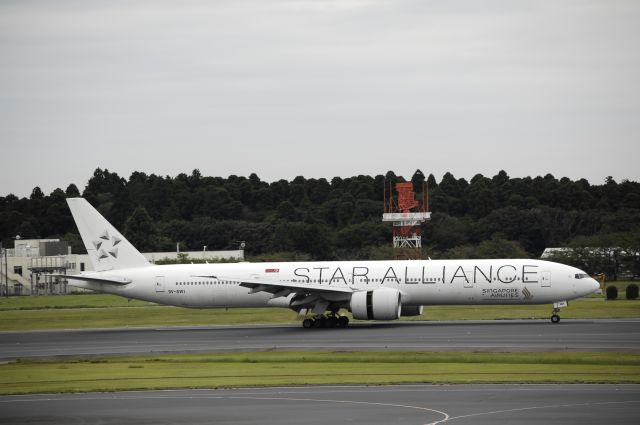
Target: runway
(501,335)
(401,405)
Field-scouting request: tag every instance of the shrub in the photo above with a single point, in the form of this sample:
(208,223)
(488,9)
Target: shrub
(632,291)
(612,292)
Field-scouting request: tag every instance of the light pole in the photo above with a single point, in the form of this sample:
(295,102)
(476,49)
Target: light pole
(1,256)
(6,268)
(204,252)
(6,273)
(242,245)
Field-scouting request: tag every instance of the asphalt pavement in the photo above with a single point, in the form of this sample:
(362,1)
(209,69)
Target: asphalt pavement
(398,405)
(497,335)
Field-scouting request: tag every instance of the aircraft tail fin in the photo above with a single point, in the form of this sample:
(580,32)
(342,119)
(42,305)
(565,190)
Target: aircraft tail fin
(107,248)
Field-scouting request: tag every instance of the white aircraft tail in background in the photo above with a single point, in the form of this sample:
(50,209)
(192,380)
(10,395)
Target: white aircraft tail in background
(107,248)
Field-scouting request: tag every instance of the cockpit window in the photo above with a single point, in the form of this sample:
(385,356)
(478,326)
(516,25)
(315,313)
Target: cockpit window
(581,275)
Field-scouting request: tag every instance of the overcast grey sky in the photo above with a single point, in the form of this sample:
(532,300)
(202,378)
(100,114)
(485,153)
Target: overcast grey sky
(317,88)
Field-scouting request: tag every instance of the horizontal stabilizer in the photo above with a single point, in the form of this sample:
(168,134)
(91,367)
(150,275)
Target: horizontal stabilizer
(112,280)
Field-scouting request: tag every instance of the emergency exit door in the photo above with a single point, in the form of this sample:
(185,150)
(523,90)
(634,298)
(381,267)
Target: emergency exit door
(545,279)
(159,283)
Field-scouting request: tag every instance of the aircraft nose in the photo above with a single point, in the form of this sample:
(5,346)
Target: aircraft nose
(594,285)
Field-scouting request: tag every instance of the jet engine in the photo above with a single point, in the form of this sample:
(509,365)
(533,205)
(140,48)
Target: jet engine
(378,304)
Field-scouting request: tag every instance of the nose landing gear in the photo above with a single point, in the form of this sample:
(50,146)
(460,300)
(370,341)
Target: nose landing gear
(555,318)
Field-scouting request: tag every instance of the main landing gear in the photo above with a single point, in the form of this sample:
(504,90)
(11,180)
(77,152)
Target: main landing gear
(555,318)
(322,321)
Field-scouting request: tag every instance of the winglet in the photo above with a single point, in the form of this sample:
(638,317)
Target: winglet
(107,248)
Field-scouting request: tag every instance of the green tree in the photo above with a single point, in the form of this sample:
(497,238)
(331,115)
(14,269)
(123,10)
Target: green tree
(140,230)
(534,212)
(72,191)
(36,194)
(499,247)
(287,211)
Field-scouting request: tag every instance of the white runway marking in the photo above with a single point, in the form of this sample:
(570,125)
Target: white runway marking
(368,403)
(553,406)
(428,405)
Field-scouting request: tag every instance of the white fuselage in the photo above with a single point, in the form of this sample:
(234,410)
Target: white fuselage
(419,282)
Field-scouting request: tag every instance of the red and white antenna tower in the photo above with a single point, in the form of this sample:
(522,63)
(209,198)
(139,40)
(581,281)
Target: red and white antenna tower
(407,215)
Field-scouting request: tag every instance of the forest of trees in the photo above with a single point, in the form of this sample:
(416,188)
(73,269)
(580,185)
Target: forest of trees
(485,217)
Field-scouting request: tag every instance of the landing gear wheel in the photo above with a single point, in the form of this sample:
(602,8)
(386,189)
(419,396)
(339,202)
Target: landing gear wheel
(322,321)
(343,321)
(332,321)
(319,322)
(555,318)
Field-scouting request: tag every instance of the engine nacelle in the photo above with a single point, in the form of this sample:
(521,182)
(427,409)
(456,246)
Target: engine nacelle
(379,304)
(411,310)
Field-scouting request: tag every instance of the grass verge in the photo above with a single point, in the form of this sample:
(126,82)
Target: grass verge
(312,368)
(101,311)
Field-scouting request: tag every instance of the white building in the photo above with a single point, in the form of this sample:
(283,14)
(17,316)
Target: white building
(31,260)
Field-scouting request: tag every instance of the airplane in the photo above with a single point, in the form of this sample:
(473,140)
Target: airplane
(370,290)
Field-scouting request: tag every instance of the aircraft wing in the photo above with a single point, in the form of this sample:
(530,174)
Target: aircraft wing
(299,296)
(259,285)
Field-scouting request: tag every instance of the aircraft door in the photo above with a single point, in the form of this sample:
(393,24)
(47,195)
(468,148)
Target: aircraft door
(545,279)
(159,283)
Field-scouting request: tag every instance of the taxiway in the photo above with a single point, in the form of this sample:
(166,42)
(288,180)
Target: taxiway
(402,405)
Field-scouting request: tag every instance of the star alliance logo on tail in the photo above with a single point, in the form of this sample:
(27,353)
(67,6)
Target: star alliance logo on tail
(526,293)
(104,252)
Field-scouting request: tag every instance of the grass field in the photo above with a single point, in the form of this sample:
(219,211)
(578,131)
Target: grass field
(100,311)
(294,368)
(306,368)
